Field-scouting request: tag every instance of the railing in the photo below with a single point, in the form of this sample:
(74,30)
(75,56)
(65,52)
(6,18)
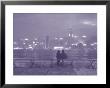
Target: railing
(30,63)
(36,58)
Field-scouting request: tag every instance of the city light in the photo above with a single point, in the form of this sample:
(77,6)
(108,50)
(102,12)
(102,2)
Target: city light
(58,43)
(93,44)
(84,44)
(29,45)
(84,36)
(58,47)
(33,42)
(61,38)
(26,39)
(86,22)
(74,44)
(17,48)
(30,48)
(69,34)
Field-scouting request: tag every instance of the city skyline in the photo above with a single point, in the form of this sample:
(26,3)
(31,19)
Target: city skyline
(55,44)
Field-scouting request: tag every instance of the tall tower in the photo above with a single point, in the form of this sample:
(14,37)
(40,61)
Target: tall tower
(70,35)
(47,42)
(70,32)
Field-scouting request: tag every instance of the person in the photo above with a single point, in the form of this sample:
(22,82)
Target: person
(58,56)
(63,56)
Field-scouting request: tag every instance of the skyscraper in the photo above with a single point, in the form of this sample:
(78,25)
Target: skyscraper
(70,32)
(70,37)
(47,42)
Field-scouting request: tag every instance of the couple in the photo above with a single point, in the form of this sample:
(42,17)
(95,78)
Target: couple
(61,56)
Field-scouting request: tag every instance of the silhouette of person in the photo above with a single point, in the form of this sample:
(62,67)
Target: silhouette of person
(58,56)
(63,56)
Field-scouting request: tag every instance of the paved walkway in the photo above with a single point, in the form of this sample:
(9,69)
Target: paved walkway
(54,70)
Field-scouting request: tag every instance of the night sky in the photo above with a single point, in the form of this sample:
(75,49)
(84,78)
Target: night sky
(33,25)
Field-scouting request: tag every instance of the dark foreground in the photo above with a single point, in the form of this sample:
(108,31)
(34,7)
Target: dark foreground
(47,68)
